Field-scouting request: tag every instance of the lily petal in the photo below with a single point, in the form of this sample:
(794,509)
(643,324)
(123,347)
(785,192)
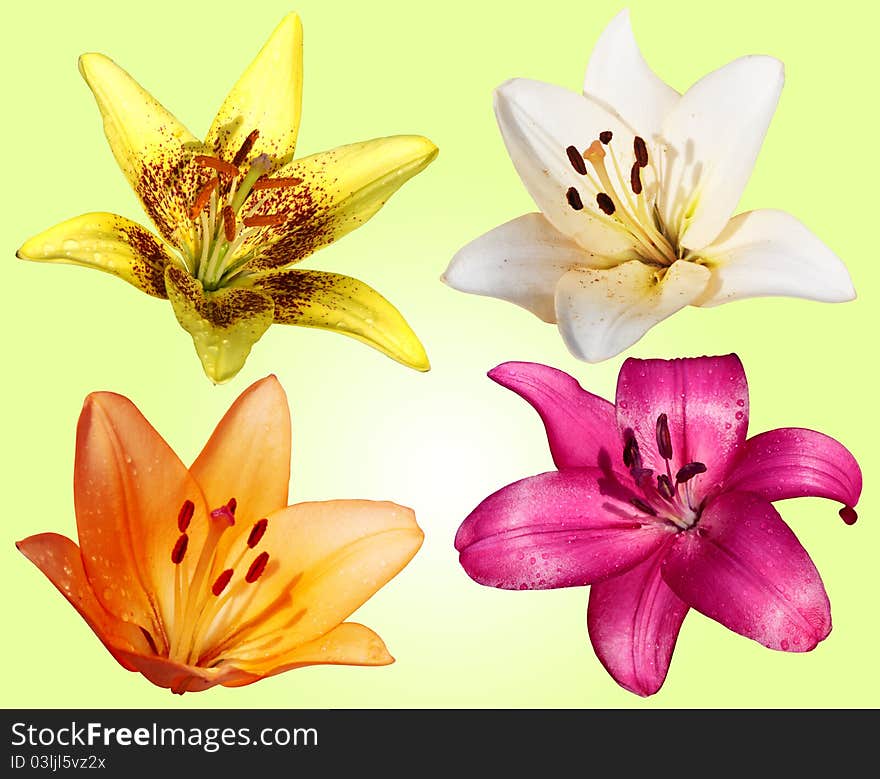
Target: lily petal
(129,487)
(267,98)
(347,644)
(794,463)
(706,402)
(559,529)
(59,559)
(339,191)
(520,261)
(581,427)
(247,456)
(180,677)
(331,301)
(766,252)
(743,567)
(325,560)
(224,325)
(634,620)
(539,122)
(106,242)
(713,136)
(603,312)
(152,148)
(619,78)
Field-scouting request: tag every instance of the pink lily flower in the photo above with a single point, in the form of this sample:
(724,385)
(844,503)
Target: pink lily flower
(662,504)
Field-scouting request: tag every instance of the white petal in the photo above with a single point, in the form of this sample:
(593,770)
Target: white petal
(714,134)
(767,252)
(619,77)
(520,261)
(538,122)
(602,312)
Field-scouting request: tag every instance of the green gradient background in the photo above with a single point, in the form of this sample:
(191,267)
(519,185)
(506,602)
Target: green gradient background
(365,426)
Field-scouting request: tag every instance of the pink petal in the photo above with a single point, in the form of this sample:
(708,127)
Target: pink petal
(634,621)
(559,529)
(581,427)
(706,400)
(742,566)
(793,463)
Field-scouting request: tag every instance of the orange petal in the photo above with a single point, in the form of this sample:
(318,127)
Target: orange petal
(180,678)
(128,489)
(60,560)
(325,560)
(347,644)
(248,455)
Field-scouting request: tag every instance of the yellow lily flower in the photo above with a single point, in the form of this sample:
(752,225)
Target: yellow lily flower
(236,211)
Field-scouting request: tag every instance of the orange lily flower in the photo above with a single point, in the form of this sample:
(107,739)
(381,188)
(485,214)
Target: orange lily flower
(203,576)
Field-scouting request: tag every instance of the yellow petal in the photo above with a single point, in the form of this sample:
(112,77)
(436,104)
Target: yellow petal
(347,644)
(153,149)
(267,98)
(332,301)
(107,242)
(224,325)
(339,191)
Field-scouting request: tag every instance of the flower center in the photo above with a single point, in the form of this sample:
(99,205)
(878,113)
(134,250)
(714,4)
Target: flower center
(622,203)
(670,499)
(220,226)
(198,604)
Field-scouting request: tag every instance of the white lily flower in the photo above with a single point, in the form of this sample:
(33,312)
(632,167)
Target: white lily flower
(637,185)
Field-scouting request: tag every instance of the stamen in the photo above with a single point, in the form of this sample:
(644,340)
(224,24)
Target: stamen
(635,179)
(221,581)
(641,150)
(202,198)
(631,456)
(664,441)
(574,199)
(179,551)
(605,136)
(848,515)
(289,181)
(221,166)
(605,203)
(664,486)
(257,532)
(246,146)
(228,223)
(687,472)
(576,160)
(257,567)
(185,516)
(641,505)
(264,220)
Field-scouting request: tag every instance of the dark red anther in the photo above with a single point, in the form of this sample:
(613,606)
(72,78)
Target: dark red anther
(640,475)
(221,581)
(576,159)
(605,203)
(257,532)
(215,163)
(202,198)
(664,486)
(179,551)
(631,456)
(232,505)
(257,567)
(635,179)
(848,515)
(264,220)
(687,472)
(641,150)
(185,516)
(664,441)
(242,154)
(605,136)
(277,183)
(642,506)
(228,223)
(574,199)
